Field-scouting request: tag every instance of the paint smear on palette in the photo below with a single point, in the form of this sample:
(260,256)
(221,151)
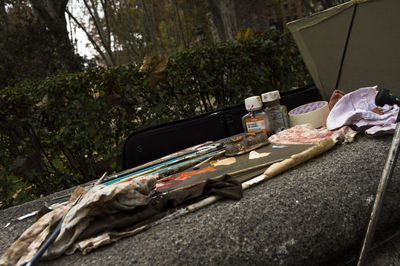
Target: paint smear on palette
(185,175)
(226,161)
(256,155)
(158,185)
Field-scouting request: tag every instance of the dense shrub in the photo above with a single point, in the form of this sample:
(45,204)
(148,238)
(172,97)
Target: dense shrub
(70,128)
(222,74)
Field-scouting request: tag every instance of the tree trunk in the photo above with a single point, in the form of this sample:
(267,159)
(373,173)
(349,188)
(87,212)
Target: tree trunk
(167,26)
(51,13)
(179,25)
(151,28)
(258,20)
(228,14)
(144,31)
(213,6)
(5,24)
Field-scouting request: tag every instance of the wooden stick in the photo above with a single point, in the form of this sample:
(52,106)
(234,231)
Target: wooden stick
(100,179)
(242,171)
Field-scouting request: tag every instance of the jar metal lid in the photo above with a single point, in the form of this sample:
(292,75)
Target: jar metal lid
(270,96)
(253,103)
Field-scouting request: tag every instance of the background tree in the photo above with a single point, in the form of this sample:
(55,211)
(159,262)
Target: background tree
(51,13)
(313,6)
(34,41)
(124,31)
(97,29)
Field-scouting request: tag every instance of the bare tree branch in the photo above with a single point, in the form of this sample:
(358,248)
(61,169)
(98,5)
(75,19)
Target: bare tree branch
(105,9)
(92,41)
(96,19)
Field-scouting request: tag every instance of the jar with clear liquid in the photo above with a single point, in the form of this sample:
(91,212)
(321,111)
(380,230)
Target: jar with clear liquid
(276,112)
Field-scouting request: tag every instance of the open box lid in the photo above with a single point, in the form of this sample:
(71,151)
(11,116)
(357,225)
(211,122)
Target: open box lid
(352,45)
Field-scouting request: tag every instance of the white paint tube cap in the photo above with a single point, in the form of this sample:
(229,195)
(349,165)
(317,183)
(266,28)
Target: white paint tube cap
(270,96)
(253,103)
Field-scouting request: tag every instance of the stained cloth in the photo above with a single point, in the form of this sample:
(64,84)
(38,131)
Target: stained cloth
(77,215)
(307,134)
(335,97)
(226,187)
(358,109)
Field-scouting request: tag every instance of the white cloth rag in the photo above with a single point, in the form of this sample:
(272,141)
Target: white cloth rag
(355,108)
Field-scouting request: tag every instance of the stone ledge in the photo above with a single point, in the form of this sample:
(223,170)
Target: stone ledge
(313,214)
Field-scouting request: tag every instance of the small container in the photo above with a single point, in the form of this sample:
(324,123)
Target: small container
(256,120)
(277,113)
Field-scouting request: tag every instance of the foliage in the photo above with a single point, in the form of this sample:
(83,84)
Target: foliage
(224,73)
(70,128)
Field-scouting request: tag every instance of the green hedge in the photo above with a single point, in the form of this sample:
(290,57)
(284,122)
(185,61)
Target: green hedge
(71,128)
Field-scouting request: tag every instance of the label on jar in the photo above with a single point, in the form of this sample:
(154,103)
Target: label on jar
(256,124)
(278,120)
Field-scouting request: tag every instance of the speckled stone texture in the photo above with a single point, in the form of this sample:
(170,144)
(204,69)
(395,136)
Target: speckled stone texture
(314,214)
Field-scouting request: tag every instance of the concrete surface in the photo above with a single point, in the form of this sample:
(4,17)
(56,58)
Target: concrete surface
(315,214)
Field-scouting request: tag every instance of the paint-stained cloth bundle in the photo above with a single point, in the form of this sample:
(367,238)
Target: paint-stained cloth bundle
(307,134)
(76,216)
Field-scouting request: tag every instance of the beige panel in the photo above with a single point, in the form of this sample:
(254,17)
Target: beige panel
(373,52)
(373,55)
(322,47)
